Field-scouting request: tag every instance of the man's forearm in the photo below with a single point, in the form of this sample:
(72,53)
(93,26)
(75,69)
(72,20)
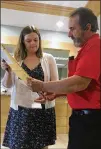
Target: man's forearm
(58,87)
(59,95)
(65,86)
(69,85)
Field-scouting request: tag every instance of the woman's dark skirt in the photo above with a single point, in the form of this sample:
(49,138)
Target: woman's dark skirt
(30,128)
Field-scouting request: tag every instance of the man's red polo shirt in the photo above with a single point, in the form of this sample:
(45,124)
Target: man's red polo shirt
(87,64)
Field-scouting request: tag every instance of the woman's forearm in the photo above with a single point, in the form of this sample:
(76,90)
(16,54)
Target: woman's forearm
(7,80)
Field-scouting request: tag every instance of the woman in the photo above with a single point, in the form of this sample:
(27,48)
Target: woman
(28,127)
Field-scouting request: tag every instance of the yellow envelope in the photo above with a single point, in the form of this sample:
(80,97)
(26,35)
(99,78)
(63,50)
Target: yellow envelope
(16,68)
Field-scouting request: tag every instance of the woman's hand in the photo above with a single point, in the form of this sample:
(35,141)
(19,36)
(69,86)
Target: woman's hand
(7,79)
(5,66)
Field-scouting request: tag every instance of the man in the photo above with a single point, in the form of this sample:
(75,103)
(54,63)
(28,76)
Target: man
(83,84)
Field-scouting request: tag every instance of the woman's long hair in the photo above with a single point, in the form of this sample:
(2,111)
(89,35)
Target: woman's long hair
(20,51)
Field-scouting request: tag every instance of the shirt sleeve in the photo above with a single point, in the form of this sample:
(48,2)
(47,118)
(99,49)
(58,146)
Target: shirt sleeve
(13,81)
(53,68)
(89,64)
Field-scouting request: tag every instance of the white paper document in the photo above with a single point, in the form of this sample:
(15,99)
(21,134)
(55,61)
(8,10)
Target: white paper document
(25,97)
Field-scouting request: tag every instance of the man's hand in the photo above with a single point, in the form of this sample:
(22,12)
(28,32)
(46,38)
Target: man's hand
(45,96)
(41,98)
(50,96)
(34,84)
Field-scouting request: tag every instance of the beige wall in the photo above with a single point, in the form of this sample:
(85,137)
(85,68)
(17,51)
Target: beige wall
(12,40)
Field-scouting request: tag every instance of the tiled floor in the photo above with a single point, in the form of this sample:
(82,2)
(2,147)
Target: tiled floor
(61,143)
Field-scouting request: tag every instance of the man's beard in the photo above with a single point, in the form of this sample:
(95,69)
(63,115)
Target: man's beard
(77,42)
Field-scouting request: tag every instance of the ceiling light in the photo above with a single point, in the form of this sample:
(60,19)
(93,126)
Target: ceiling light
(59,24)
